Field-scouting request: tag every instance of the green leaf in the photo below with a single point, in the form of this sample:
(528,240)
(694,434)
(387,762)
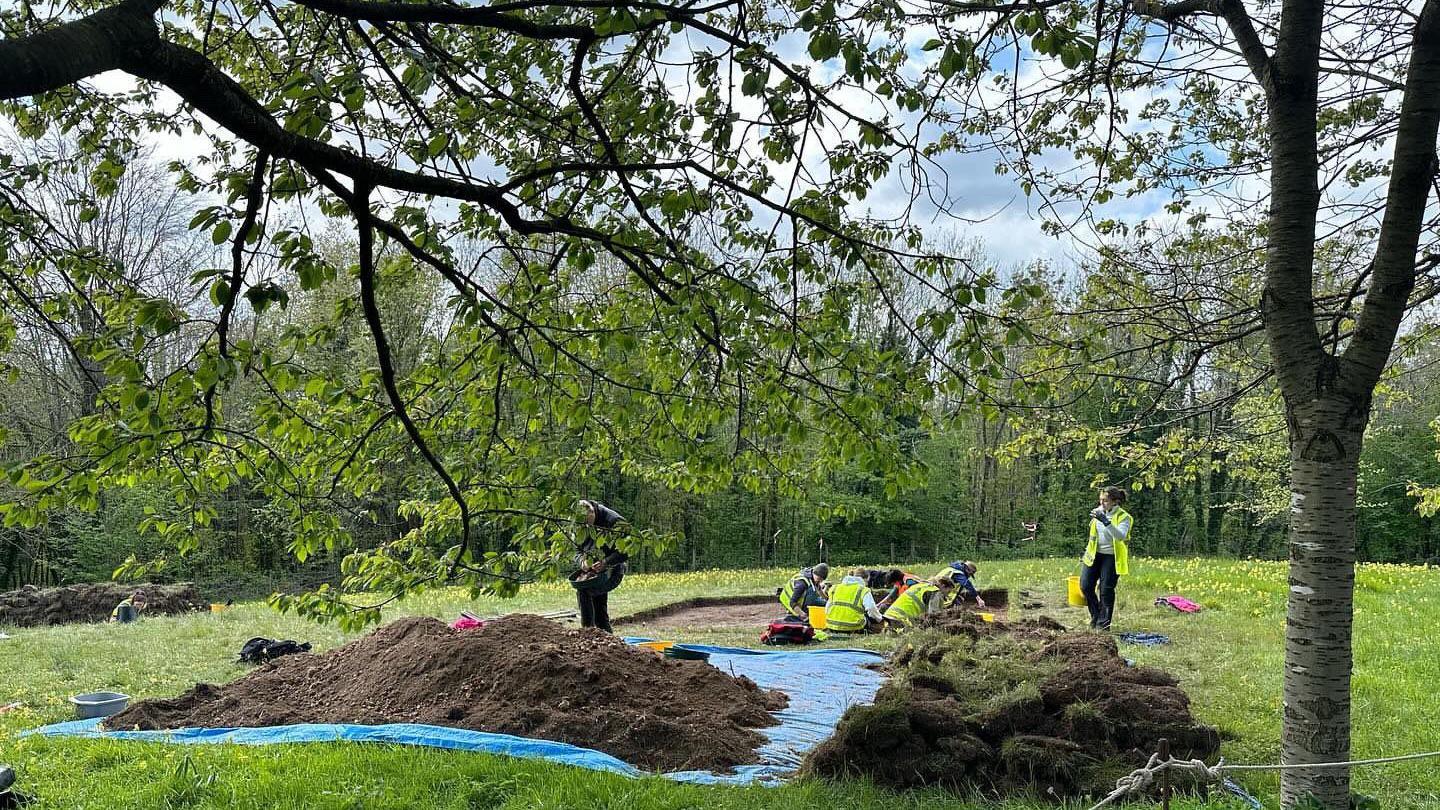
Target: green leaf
(824,45)
(221,232)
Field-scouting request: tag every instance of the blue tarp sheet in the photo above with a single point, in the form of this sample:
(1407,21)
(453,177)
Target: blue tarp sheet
(821,685)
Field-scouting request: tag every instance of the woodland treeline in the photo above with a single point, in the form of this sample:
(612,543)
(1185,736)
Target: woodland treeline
(1150,374)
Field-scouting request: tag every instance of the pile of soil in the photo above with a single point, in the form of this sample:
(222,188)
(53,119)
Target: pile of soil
(520,675)
(710,611)
(1011,708)
(92,602)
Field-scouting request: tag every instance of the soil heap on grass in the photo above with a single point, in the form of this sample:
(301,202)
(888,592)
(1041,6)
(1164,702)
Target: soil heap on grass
(92,602)
(520,675)
(1011,708)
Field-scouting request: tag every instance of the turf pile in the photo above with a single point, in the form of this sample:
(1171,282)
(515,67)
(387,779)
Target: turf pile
(1011,708)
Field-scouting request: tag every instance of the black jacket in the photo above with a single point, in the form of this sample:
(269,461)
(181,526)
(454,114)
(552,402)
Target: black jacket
(607,521)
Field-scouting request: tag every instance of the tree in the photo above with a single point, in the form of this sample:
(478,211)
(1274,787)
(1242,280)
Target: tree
(1319,120)
(637,210)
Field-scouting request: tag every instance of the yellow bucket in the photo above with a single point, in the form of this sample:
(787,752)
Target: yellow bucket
(216,607)
(989,617)
(1076,598)
(657,646)
(817,617)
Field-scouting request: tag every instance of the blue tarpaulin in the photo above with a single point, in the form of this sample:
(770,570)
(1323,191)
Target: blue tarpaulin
(821,684)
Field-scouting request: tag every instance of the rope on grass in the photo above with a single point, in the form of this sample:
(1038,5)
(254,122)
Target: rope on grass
(1141,778)
(1300,765)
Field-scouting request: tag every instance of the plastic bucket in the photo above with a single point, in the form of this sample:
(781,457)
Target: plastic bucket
(1074,596)
(216,607)
(989,617)
(99,704)
(817,617)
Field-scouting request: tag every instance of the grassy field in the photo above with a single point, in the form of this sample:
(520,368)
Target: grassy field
(1227,657)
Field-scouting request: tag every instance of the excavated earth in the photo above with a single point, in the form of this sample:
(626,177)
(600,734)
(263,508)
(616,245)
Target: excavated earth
(710,611)
(91,602)
(520,675)
(1011,708)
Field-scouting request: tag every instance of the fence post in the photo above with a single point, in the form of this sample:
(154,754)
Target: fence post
(1164,774)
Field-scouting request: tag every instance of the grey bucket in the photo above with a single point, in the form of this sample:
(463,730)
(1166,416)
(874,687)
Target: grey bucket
(99,704)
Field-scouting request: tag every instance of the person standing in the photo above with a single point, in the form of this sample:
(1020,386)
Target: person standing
(1107,556)
(595,580)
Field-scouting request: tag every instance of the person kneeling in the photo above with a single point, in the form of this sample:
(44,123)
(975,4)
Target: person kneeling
(805,590)
(919,600)
(852,607)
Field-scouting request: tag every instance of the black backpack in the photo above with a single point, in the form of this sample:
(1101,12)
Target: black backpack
(258,650)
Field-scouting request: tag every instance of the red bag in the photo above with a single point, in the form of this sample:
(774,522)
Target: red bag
(792,631)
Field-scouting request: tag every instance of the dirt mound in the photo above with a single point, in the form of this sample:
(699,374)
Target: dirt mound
(520,675)
(709,611)
(92,602)
(1011,708)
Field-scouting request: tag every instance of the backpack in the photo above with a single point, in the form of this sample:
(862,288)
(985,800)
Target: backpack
(789,630)
(259,650)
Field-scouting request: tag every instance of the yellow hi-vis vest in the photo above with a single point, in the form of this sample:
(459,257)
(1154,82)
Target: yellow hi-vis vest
(1122,552)
(787,594)
(911,604)
(846,611)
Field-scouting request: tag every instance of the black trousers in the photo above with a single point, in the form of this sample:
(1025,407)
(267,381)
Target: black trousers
(595,602)
(1103,575)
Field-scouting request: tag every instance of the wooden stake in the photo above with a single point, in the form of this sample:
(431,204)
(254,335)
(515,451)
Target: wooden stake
(1165,774)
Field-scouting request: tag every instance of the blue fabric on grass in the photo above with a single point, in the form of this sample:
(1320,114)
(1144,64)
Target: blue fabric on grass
(821,684)
(1144,639)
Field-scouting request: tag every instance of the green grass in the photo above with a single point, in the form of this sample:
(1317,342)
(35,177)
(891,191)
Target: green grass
(1227,657)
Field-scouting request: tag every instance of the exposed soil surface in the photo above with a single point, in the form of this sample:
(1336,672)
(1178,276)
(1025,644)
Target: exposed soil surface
(92,602)
(710,611)
(1009,708)
(520,675)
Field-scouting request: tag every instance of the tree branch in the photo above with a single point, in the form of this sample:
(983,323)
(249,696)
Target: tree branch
(1413,170)
(1234,14)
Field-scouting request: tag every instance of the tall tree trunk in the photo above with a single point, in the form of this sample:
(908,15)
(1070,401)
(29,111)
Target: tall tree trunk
(1323,468)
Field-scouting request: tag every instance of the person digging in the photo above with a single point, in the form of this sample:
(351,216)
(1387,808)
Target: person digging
(805,590)
(129,609)
(923,599)
(852,607)
(961,574)
(594,581)
(897,582)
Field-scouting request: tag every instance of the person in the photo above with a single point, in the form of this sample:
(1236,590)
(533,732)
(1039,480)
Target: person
(805,590)
(961,573)
(852,607)
(130,608)
(1107,556)
(595,580)
(898,582)
(922,599)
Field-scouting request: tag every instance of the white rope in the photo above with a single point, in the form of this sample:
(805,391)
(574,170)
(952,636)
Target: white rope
(1299,766)
(1141,778)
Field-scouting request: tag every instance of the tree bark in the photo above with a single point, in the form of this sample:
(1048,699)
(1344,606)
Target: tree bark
(1326,439)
